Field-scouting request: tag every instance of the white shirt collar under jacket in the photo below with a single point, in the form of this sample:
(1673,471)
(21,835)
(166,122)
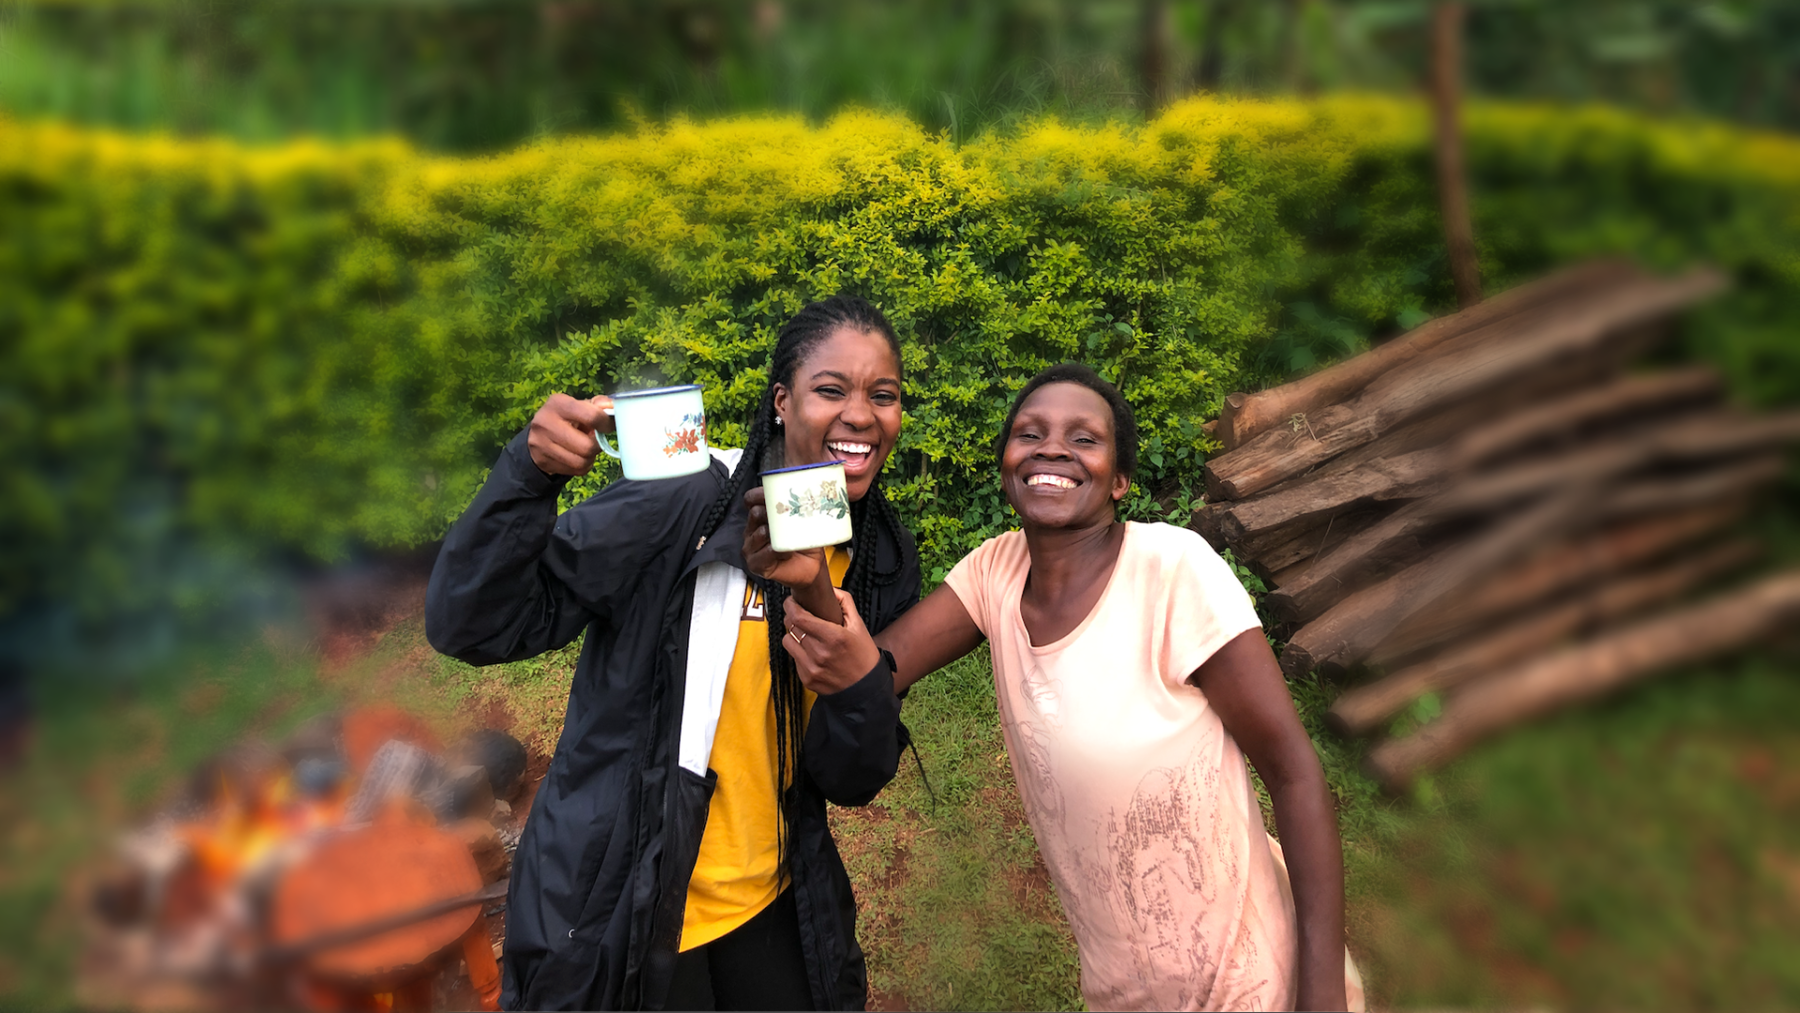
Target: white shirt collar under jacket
(712,640)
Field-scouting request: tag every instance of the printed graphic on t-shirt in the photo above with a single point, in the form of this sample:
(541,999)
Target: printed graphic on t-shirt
(753,605)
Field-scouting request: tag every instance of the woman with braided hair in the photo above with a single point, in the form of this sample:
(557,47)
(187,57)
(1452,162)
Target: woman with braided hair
(677,854)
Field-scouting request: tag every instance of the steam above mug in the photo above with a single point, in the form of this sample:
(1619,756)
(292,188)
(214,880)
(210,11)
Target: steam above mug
(661,432)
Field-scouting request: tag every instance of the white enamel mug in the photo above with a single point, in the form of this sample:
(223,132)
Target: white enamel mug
(809,506)
(661,432)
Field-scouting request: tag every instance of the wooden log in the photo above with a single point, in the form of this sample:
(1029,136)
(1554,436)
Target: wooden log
(1364,708)
(1306,540)
(1557,419)
(1394,540)
(1405,477)
(1353,565)
(1677,440)
(1568,676)
(1421,472)
(1431,429)
(1206,522)
(1582,560)
(1369,461)
(1711,486)
(1460,368)
(1699,438)
(1354,626)
(1304,546)
(1245,416)
(1287,550)
(1731,437)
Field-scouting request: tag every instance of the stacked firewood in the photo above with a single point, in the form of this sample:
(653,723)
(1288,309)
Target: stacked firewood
(1488,507)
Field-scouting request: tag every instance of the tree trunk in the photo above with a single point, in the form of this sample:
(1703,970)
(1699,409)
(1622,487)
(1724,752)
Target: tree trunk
(1453,183)
(1211,69)
(1153,57)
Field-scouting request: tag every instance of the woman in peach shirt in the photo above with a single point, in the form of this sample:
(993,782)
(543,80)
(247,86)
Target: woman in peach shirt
(1133,679)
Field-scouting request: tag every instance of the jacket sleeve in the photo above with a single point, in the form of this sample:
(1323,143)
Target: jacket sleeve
(853,739)
(514,580)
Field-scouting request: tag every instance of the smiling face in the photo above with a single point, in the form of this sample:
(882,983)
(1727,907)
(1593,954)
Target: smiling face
(1058,468)
(843,405)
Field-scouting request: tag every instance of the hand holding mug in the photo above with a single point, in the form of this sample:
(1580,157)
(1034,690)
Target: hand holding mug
(561,436)
(795,569)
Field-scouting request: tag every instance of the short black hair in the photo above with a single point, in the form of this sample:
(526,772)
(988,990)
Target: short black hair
(1125,433)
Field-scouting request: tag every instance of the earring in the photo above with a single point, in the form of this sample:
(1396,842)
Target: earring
(780,421)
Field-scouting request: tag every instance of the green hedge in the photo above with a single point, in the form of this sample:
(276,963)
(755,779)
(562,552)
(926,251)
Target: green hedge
(319,347)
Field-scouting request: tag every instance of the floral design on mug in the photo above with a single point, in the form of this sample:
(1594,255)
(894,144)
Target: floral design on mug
(829,499)
(686,436)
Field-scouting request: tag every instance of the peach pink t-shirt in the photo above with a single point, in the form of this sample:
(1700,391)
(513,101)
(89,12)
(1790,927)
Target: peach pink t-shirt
(1141,802)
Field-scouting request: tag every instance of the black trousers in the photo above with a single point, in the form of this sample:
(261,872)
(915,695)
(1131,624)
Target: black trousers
(758,965)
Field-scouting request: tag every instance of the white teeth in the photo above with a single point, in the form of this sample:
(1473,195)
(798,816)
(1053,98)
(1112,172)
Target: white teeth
(1056,480)
(851,448)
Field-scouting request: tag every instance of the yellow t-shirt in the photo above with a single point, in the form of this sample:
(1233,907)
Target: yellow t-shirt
(735,876)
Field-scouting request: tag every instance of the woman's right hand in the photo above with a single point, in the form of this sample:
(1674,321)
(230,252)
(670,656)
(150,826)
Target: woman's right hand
(830,658)
(561,436)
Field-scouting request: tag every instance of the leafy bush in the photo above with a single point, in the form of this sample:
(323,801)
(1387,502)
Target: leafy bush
(318,347)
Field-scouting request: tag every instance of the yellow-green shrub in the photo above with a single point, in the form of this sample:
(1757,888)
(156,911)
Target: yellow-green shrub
(318,346)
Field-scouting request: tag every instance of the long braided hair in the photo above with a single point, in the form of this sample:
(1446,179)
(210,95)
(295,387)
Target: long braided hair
(799,336)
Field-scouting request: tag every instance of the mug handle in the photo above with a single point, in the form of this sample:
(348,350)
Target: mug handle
(610,452)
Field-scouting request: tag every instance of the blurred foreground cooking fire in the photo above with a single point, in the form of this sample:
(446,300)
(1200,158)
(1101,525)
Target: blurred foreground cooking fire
(359,865)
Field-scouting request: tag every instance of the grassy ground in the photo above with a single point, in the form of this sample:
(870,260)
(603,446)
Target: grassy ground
(1644,853)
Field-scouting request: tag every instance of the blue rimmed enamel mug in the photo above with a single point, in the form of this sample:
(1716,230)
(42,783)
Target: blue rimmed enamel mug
(661,432)
(809,506)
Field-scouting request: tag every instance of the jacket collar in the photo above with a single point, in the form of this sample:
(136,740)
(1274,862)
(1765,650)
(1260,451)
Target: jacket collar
(726,544)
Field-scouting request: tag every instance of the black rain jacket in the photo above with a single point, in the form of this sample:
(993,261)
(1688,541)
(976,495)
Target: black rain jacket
(599,882)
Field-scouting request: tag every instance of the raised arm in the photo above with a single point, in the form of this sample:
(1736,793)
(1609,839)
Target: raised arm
(501,589)
(1243,683)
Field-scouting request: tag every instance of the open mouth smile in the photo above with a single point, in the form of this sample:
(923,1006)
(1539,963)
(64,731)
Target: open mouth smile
(1053,481)
(853,455)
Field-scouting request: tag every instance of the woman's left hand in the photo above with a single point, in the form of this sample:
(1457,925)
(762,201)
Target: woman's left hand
(830,658)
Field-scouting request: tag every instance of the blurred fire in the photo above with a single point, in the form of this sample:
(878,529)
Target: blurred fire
(351,869)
